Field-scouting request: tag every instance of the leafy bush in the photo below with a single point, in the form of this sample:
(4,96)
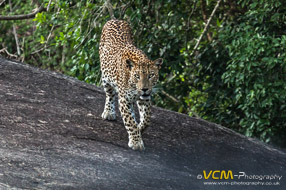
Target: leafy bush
(246,72)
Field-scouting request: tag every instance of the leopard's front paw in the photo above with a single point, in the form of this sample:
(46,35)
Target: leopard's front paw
(141,127)
(136,143)
(108,115)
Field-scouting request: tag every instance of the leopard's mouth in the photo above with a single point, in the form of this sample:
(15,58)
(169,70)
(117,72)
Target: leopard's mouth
(145,97)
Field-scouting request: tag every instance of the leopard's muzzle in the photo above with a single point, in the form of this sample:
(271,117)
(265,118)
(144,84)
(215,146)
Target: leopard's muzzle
(145,94)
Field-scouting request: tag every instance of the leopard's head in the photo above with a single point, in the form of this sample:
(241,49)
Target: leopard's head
(143,76)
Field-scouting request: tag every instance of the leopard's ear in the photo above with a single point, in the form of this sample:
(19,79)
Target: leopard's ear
(129,63)
(158,62)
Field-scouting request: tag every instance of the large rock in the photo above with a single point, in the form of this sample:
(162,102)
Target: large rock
(52,137)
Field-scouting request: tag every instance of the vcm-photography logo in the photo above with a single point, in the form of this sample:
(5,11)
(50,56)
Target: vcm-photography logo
(222,174)
(216,174)
(240,178)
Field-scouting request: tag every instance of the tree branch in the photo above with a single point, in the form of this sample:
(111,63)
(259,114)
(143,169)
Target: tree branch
(15,32)
(46,42)
(169,96)
(124,8)
(2,2)
(204,13)
(206,27)
(4,50)
(48,7)
(16,39)
(108,5)
(22,17)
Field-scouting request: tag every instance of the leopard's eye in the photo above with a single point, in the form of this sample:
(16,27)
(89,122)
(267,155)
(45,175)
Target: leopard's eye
(137,76)
(151,76)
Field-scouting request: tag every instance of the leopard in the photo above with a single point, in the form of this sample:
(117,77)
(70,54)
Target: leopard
(127,71)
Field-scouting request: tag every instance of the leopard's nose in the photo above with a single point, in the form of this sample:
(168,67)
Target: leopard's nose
(144,89)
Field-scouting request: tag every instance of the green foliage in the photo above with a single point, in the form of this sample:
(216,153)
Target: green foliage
(246,67)
(236,78)
(257,69)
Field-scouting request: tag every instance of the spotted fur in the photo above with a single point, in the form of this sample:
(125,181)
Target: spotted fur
(128,70)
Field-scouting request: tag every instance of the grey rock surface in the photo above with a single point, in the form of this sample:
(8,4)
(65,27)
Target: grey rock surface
(52,137)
